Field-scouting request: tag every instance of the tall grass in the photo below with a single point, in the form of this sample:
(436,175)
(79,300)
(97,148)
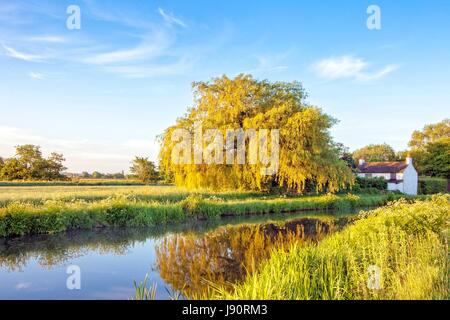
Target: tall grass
(55,216)
(405,241)
(143,292)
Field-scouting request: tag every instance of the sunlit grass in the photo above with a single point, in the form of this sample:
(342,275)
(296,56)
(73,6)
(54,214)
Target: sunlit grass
(39,194)
(405,241)
(74,182)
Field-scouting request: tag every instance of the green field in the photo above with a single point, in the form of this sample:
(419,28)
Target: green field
(74,182)
(39,194)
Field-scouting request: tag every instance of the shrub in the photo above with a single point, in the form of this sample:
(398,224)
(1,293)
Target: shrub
(428,185)
(191,205)
(369,184)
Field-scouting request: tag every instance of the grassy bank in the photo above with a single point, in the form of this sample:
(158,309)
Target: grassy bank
(405,242)
(51,216)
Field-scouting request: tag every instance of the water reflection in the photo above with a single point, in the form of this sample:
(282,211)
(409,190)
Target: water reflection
(177,257)
(57,249)
(190,263)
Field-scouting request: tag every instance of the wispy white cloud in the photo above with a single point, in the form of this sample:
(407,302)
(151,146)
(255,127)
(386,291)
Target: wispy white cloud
(156,54)
(340,67)
(171,19)
(147,49)
(349,67)
(49,39)
(125,55)
(12,12)
(16,54)
(270,63)
(179,66)
(379,74)
(36,76)
(129,18)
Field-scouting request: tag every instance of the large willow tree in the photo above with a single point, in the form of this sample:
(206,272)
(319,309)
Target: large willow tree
(308,157)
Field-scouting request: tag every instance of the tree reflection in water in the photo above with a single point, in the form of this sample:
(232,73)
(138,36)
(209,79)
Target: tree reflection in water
(224,256)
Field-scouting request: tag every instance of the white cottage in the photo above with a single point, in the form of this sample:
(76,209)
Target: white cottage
(401,176)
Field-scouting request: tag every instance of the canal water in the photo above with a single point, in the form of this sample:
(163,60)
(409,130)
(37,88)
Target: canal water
(104,263)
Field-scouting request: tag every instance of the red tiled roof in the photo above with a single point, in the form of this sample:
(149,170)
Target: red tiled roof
(382,167)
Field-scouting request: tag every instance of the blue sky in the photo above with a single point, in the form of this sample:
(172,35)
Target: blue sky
(102,93)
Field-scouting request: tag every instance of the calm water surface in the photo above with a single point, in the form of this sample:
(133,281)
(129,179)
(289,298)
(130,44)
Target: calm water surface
(176,257)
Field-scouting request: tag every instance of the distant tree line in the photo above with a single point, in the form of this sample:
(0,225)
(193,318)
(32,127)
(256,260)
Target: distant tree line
(100,175)
(142,169)
(29,164)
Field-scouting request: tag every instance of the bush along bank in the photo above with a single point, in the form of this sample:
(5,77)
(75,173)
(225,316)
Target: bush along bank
(428,185)
(56,216)
(394,252)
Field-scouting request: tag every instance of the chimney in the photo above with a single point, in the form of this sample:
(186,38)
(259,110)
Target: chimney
(362,161)
(409,160)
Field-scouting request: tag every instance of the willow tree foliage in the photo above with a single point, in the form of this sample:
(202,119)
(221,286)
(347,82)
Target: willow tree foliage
(307,155)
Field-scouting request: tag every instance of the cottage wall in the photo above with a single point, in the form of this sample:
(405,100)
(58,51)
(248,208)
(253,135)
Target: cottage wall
(410,180)
(395,186)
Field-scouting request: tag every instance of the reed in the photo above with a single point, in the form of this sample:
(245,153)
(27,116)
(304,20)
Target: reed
(406,242)
(143,292)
